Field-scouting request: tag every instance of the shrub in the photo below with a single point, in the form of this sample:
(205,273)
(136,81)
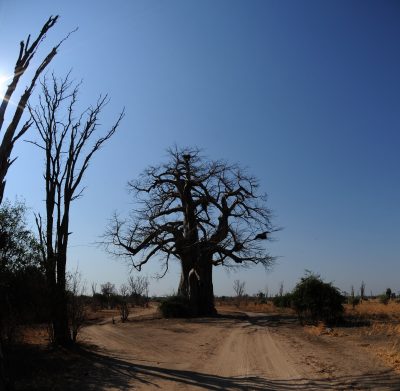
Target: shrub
(284,301)
(317,300)
(354,300)
(175,307)
(384,299)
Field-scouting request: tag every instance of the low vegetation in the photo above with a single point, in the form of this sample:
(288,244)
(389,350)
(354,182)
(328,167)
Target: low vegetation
(315,300)
(176,306)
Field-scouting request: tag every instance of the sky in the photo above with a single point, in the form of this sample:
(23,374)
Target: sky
(304,94)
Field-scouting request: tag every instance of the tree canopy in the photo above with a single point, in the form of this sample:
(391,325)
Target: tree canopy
(202,212)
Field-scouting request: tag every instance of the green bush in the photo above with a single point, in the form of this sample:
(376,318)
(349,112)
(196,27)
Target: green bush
(384,299)
(315,300)
(175,307)
(354,300)
(284,301)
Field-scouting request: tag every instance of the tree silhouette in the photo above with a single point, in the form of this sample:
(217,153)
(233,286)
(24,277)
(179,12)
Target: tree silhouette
(203,213)
(67,144)
(27,51)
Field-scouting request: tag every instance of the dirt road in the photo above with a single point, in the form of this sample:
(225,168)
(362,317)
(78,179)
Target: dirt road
(233,352)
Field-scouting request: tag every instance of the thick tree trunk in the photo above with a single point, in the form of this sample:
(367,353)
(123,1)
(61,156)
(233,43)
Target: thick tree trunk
(205,297)
(196,285)
(183,289)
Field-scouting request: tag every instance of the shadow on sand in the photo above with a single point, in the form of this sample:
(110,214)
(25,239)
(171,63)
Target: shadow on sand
(116,373)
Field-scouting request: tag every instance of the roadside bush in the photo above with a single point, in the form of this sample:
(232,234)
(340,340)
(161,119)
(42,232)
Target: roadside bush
(384,299)
(175,307)
(284,301)
(354,300)
(22,297)
(315,300)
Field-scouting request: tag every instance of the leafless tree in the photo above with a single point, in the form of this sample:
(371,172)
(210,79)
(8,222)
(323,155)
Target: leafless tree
(139,289)
(27,50)
(66,140)
(94,288)
(123,306)
(239,289)
(281,289)
(362,290)
(108,290)
(76,305)
(203,213)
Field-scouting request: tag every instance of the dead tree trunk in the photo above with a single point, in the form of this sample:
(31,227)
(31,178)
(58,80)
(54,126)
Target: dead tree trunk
(26,53)
(62,334)
(64,137)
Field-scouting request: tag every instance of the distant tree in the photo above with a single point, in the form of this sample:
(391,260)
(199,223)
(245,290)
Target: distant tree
(388,293)
(266,290)
(203,213)
(281,289)
(362,290)
(138,289)
(261,295)
(123,306)
(76,302)
(384,298)
(66,141)
(353,300)
(108,291)
(239,288)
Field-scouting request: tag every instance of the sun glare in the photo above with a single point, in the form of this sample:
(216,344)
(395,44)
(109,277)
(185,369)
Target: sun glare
(3,84)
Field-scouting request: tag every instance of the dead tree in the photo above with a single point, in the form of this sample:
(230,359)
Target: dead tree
(239,289)
(66,141)
(203,213)
(123,305)
(27,51)
(139,289)
(76,305)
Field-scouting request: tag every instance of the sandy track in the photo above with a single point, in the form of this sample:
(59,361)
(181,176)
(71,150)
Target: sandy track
(228,353)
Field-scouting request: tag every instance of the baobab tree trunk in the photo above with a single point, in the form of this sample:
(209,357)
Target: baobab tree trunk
(206,290)
(196,285)
(186,267)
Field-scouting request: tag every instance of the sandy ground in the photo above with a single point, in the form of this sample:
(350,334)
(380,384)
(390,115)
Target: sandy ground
(236,351)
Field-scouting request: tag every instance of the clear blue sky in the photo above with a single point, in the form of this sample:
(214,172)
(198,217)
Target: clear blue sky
(303,93)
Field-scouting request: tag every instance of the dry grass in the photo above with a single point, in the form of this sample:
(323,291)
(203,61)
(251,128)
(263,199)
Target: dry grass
(383,334)
(375,310)
(252,306)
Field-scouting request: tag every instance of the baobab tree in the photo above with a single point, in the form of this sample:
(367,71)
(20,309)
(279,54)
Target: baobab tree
(203,213)
(67,142)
